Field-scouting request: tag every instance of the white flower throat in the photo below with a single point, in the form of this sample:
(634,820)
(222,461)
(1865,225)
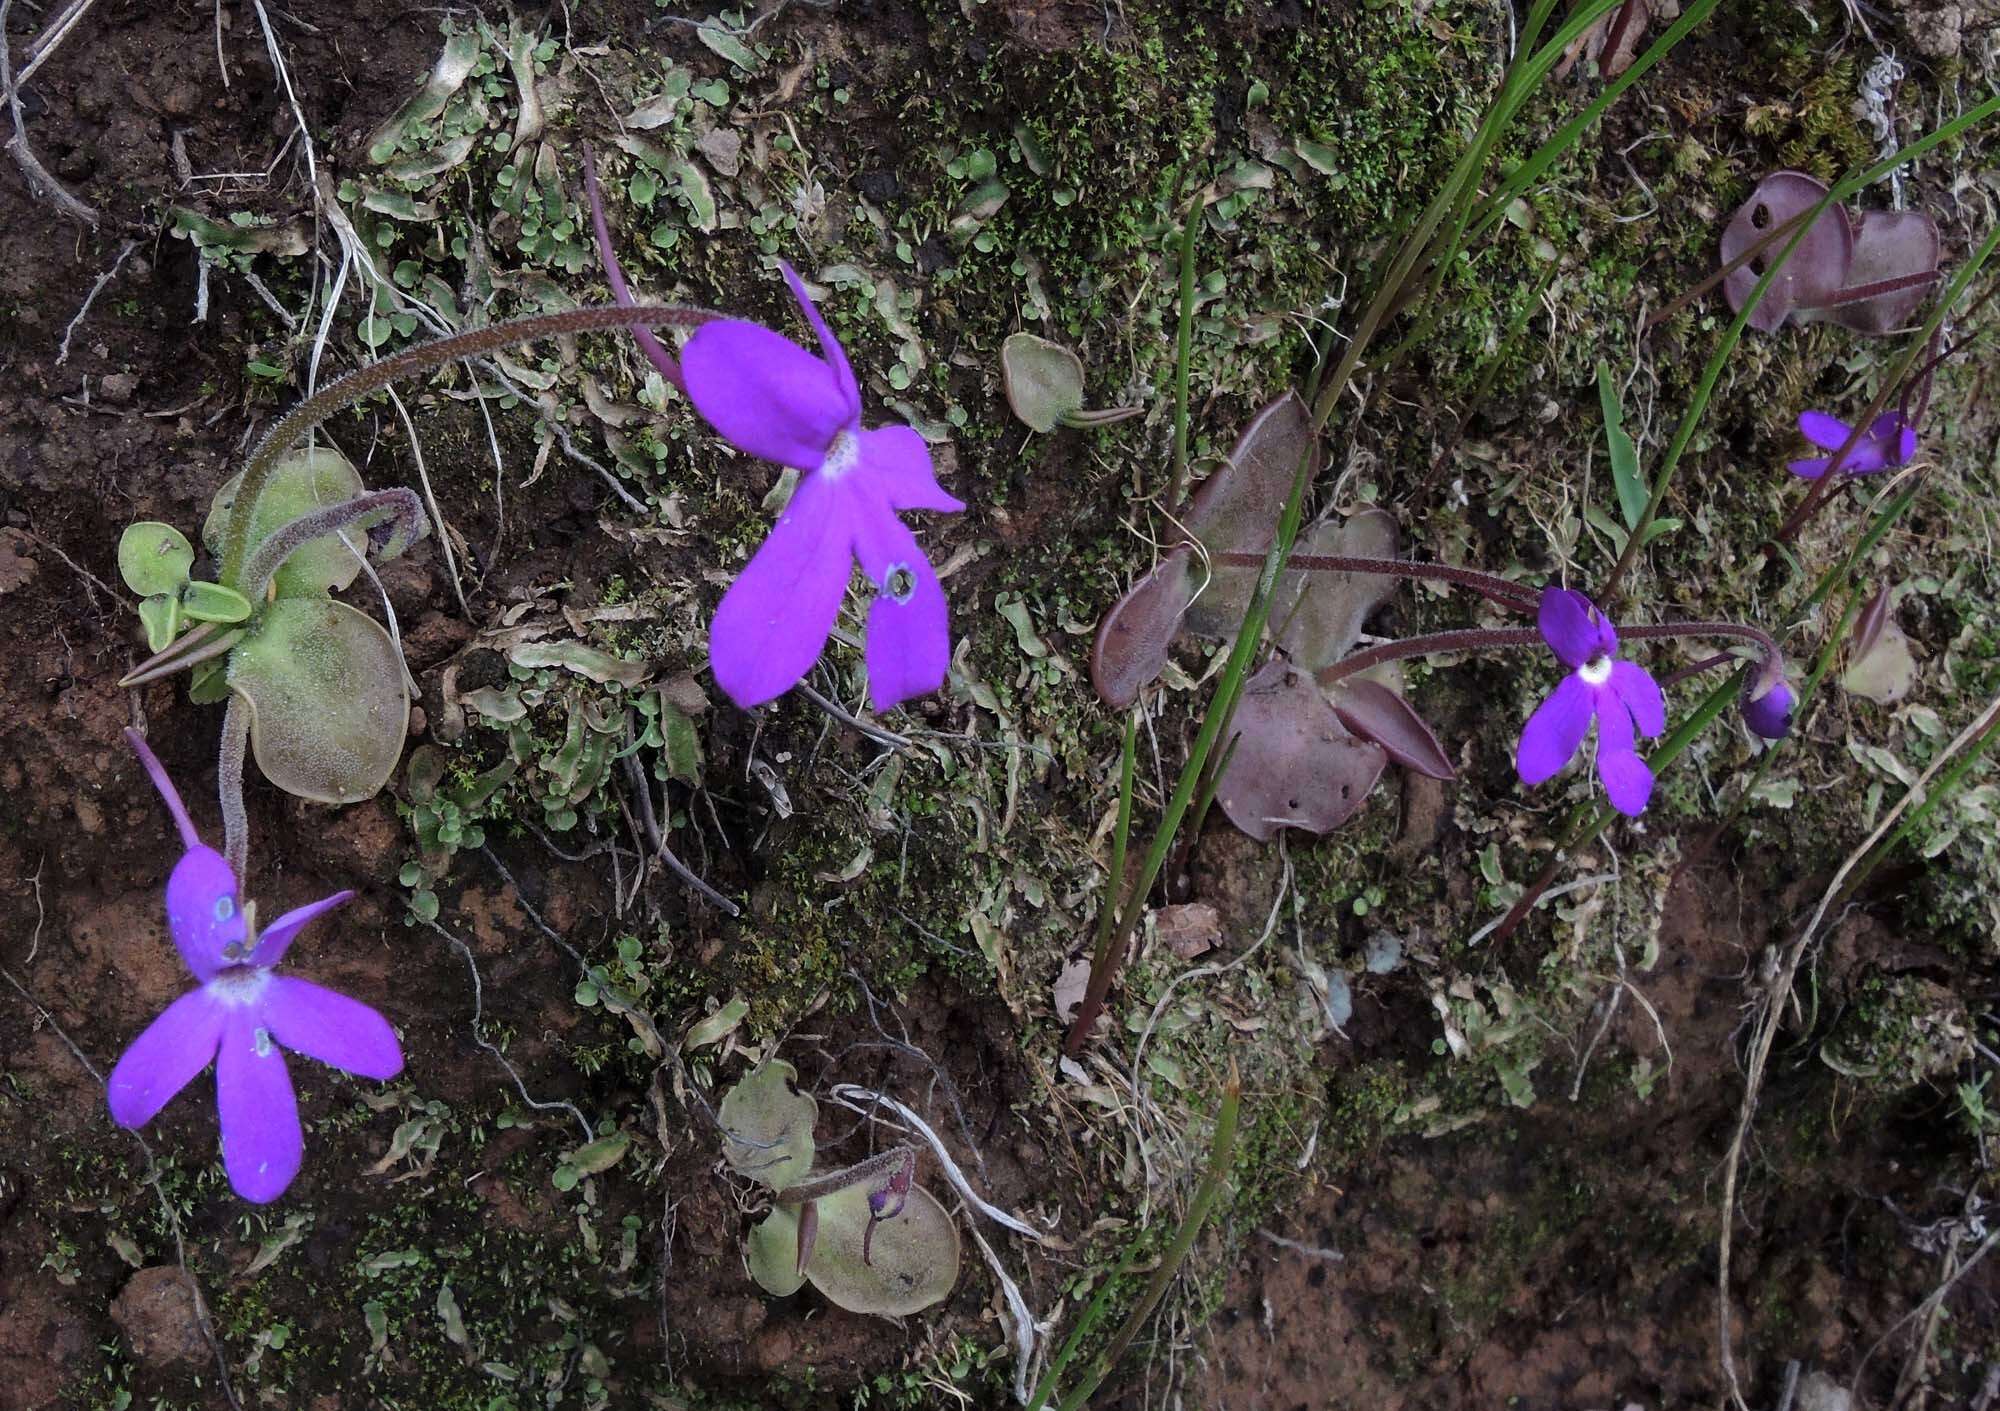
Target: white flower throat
(843,453)
(1596,671)
(240,986)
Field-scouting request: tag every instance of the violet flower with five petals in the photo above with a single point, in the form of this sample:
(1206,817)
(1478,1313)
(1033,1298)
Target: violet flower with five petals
(1619,695)
(771,398)
(241,1017)
(1889,442)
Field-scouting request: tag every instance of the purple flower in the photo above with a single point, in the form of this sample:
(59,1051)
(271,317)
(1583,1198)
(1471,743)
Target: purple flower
(241,1017)
(772,398)
(768,396)
(1890,442)
(1619,695)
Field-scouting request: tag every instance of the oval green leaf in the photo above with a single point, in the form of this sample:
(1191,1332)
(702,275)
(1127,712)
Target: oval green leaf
(769,1126)
(913,1259)
(328,708)
(303,481)
(154,558)
(773,1250)
(1044,380)
(161,614)
(211,602)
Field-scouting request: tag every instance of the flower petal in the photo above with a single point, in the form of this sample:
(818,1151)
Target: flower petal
(262,1144)
(203,912)
(1895,439)
(273,940)
(1868,456)
(898,466)
(323,1024)
(829,346)
(909,633)
(764,393)
(1811,469)
(773,621)
(1628,783)
(168,1056)
(1635,686)
(1829,433)
(1573,628)
(1554,731)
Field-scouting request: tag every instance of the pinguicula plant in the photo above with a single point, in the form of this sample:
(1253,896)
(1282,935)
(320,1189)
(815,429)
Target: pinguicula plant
(1883,437)
(1302,756)
(316,688)
(317,684)
(772,399)
(241,1017)
(867,1236)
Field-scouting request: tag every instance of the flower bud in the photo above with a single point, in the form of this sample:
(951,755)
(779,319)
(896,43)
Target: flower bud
(1767,705)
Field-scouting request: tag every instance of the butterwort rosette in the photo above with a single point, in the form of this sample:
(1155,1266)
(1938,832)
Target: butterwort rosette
(770,397)
(1619,695)
(1889,443)
(241,1017)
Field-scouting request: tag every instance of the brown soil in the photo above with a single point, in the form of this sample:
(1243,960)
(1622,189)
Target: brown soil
(1566,1257)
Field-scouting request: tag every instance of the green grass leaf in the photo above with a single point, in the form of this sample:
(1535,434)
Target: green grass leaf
(1624,457)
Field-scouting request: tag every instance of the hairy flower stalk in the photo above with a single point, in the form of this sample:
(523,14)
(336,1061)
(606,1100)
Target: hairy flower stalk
(373,377)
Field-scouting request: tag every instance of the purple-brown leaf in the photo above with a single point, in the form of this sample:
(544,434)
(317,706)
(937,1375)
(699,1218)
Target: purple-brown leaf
(1374,712)
(1868,626)
(1319,615)
(1818,267)
(1135,636)
(1895,248)
(1236,509)
(1294,764)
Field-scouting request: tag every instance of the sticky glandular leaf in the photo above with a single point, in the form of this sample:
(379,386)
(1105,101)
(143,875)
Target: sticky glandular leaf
(1134,638)
(1294,765)
(1319,614)
(212,602)
(1885,672)
(1044,380)
(912,1259)
(161,615)
(328,708)
(154,558)
(773,1251)
(1889,245)
(1818,267)
(1236,509)
(768,1126)
(301,482)
(1374,712)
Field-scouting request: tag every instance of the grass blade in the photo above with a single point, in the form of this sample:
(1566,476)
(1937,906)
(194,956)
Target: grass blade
(1624,456)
